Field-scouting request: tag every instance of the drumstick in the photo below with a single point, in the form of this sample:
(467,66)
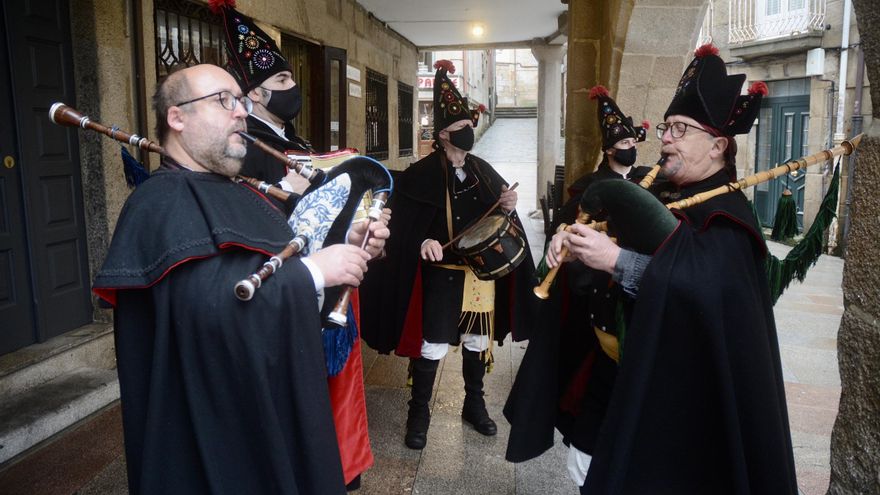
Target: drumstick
(465,231)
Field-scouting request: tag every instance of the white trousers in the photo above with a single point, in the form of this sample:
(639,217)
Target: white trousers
(470,341)
(578,465)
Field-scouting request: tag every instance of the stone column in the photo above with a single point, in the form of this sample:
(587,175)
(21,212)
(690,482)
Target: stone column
(549,112)
(855,440)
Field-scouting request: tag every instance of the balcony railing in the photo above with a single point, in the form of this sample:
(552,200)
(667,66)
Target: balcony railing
(760,20)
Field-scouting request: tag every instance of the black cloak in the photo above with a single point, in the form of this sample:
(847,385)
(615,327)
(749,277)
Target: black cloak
(563,356)
(699,403)
(258,164)
(391,289)
(218,395)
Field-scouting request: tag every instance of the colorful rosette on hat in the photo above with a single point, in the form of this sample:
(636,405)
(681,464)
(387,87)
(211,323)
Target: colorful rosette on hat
(708,95)
(253,54)
(449,105)
(614,124)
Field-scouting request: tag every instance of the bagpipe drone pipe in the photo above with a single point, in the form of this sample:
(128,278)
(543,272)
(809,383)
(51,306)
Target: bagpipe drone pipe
(641,222)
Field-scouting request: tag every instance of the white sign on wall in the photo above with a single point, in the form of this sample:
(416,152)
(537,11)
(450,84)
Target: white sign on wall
(427,81)
(354,90)
(353,73)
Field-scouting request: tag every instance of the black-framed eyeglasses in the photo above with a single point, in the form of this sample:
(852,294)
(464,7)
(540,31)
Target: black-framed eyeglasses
(227,101)
(677,129)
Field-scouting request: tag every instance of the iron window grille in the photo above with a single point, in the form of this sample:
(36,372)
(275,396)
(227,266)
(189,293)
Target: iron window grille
(405,119)
(187,33)
(376,102)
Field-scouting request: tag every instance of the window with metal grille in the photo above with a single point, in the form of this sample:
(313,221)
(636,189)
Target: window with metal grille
(376,101)
(186,33)
(298,55)
(405,119)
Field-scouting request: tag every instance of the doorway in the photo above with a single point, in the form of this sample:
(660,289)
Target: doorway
(784,124)
(44,278)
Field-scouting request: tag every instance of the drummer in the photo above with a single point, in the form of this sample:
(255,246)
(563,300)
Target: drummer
(422,298)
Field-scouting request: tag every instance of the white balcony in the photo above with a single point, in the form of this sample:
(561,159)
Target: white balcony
(769,20)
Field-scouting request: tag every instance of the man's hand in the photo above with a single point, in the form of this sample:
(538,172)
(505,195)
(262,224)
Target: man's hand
(341,264)
(432,250)
(296,181)
(554,249)
(594,249)
(507,200)
(378,233)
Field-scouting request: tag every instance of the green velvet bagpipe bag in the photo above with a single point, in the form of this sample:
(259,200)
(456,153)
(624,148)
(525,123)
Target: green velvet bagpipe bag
(635,217)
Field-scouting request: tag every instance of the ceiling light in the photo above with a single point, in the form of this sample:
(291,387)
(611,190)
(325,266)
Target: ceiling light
(477,30)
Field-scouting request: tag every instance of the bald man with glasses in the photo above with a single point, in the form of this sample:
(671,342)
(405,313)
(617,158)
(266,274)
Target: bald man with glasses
(218,395)
(699,403)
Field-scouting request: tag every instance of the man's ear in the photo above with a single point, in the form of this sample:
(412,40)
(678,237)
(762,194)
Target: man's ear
(719,145)
(256,94)
(176,119)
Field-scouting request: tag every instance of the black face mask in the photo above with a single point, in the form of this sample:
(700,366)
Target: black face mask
(625,157)
(285,103)
(463,138)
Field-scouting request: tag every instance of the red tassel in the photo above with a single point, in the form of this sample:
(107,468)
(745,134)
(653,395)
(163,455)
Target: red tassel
(759,88)
(216,6)
(597,91)
(481,108)
(707,49)
(646,125)
(445,64)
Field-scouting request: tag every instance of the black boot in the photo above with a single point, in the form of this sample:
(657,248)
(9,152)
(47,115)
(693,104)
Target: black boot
(419,417)
(474,410)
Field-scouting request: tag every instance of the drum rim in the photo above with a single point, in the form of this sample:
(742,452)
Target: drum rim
(479,246)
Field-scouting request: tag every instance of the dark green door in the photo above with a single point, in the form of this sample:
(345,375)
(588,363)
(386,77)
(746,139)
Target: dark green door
(43,243)
(783,128)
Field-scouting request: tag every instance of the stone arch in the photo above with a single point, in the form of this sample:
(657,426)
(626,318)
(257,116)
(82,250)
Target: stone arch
(634,48)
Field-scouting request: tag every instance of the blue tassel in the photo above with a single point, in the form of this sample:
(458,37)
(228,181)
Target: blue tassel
(135,173)
(338,342)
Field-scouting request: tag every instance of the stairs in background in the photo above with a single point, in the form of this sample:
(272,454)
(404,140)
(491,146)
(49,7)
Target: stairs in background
(516,112)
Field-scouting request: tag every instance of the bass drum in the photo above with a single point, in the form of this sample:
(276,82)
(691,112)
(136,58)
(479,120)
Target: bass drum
(493,247)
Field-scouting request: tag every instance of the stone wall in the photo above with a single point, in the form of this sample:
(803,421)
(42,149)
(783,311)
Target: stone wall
(855,440)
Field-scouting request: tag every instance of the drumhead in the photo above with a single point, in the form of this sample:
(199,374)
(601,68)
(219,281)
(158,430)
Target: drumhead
(484,229)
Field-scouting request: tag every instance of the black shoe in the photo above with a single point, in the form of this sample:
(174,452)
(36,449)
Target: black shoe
(416,439)
(481,422)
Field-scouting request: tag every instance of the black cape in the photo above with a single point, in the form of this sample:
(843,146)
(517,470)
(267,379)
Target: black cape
(391,282)
(564,354)
(258,164)
(218,395)
(699,403)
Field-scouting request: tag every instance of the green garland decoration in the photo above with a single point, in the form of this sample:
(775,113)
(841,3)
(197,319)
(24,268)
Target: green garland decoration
(785,224)
(805,253)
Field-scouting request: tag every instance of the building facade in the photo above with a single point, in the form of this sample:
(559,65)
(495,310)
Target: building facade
(808,52)
(62,188)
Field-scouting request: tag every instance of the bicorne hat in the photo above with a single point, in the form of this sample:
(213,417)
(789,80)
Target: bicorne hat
(449,105)
(614,124)
(253,54)
(708,95)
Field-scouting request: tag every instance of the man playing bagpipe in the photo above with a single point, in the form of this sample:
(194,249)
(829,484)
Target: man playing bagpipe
(422,298)
(265,76)
(219,395)
(699,404)
(568,371)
